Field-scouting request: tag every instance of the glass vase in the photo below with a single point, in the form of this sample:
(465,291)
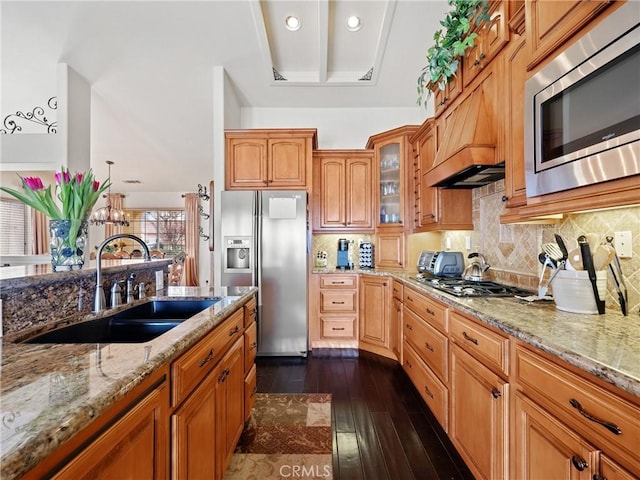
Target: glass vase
(68,239)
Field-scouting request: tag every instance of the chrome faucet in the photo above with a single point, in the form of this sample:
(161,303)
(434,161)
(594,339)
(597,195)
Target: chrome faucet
(99,302)
(130,289)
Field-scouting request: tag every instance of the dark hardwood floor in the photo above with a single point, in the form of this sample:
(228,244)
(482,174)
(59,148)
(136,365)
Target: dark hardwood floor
(382,428)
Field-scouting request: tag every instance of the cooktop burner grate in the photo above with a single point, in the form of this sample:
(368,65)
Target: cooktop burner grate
(465,288)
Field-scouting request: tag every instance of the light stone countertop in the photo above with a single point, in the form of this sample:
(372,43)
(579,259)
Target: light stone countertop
(49,392)
(606,346)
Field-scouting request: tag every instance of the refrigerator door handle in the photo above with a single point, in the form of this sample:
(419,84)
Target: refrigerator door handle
(257,271)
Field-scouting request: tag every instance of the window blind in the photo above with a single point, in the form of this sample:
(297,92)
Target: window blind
(13,227)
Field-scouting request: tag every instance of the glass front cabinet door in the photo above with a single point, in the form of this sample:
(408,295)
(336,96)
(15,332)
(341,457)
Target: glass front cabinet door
(391,149)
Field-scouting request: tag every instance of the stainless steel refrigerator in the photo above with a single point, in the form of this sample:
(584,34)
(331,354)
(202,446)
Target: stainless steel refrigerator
(265,243)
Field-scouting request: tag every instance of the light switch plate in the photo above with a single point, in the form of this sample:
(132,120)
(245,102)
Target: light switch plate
(623,244)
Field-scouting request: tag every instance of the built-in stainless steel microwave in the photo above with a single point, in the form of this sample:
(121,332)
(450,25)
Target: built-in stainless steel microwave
(582,110)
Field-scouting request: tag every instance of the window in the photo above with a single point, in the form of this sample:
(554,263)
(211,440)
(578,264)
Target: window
(13,234)
(162,230)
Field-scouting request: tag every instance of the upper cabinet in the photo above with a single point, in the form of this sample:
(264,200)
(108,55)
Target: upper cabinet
(492,36)
(550,24)
(391,154)
(269,159)
(435,208)
(342,190)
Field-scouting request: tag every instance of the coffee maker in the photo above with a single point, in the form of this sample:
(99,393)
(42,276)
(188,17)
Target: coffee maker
(343,254)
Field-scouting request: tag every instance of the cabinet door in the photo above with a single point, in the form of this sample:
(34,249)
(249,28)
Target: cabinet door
(492,36)
(358,203)
(545,448)
(193,428)
(374,310)
(443,98)
(287,159)
(229,397)
(514,80)
(134,447)
(395,327)
(246,165)
(389,250)
(479,418)
(550,24)
(427,147)
(250,346)
(390,157)
(332,193)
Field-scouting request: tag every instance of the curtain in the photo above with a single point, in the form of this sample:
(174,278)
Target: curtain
(192,238)
(116,200)
(40,233)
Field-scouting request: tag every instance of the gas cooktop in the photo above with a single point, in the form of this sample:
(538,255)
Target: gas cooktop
(466,288)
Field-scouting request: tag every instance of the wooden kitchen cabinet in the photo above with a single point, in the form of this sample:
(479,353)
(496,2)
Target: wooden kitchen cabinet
(333,311)
(492,36)
(342,192)
(437,208)
(600,417)
(269,159)
(545,448)
(479,415)
(229,403)
(392,154)
(194,434)
(452,90)
(389,249)
(133,447)
(515,58)
(551,24)
(395,319)
(375,302)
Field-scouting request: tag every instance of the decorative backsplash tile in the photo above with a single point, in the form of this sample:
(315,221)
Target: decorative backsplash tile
(512,250)
(329,243)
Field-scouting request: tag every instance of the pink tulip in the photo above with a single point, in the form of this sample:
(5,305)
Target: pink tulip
(78,177)
(62,177)
(34,183)
(96,185)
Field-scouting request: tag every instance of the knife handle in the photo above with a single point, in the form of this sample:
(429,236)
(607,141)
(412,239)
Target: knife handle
(587,264)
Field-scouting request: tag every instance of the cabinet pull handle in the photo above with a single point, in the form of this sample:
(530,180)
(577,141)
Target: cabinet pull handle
(234,331)
(409,327)
(409,298)
(471,339)
(612,427)
(430,312)
(476,63)
(597,476)
(428,347)
(208,359)
(253,345)
(408,363)
(579,463)
(223,375)
(426,390)
(337,283)
(337,328)
(496,393)
(338,303)
(482,56)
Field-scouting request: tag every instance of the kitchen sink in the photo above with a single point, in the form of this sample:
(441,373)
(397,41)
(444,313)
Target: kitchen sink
(138,324)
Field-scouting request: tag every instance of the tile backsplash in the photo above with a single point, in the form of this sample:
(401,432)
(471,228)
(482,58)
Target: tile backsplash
(512,250)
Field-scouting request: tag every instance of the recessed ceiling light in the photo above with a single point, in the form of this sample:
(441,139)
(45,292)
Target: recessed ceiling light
(292,23)
(354,23)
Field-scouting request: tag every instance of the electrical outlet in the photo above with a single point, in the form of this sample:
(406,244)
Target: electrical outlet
(623,244)
(467,242)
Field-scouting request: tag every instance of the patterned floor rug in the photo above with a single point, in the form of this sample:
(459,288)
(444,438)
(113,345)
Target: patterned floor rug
(288,436)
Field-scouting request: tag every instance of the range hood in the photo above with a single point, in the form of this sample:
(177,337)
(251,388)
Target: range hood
(467,157)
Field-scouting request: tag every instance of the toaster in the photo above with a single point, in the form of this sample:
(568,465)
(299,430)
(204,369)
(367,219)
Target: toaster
(441,263)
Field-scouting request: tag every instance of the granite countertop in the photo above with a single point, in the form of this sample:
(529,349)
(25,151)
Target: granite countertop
(49,392)
(606,346)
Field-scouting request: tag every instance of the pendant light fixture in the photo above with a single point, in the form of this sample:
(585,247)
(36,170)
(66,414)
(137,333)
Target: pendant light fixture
(108,214)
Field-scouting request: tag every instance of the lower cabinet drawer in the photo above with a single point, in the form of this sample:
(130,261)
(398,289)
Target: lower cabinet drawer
(337,301)
(607,420)
(489,347)
(250,391)
(432,390)
(338,327)
(429,310)
(189,370)
(429,344)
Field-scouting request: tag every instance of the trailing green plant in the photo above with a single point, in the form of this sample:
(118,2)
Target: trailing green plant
(450,43)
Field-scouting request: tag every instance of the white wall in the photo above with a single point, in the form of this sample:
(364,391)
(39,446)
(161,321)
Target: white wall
(337,127)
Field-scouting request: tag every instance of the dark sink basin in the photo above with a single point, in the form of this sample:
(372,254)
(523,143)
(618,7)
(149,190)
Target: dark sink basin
(135,325)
